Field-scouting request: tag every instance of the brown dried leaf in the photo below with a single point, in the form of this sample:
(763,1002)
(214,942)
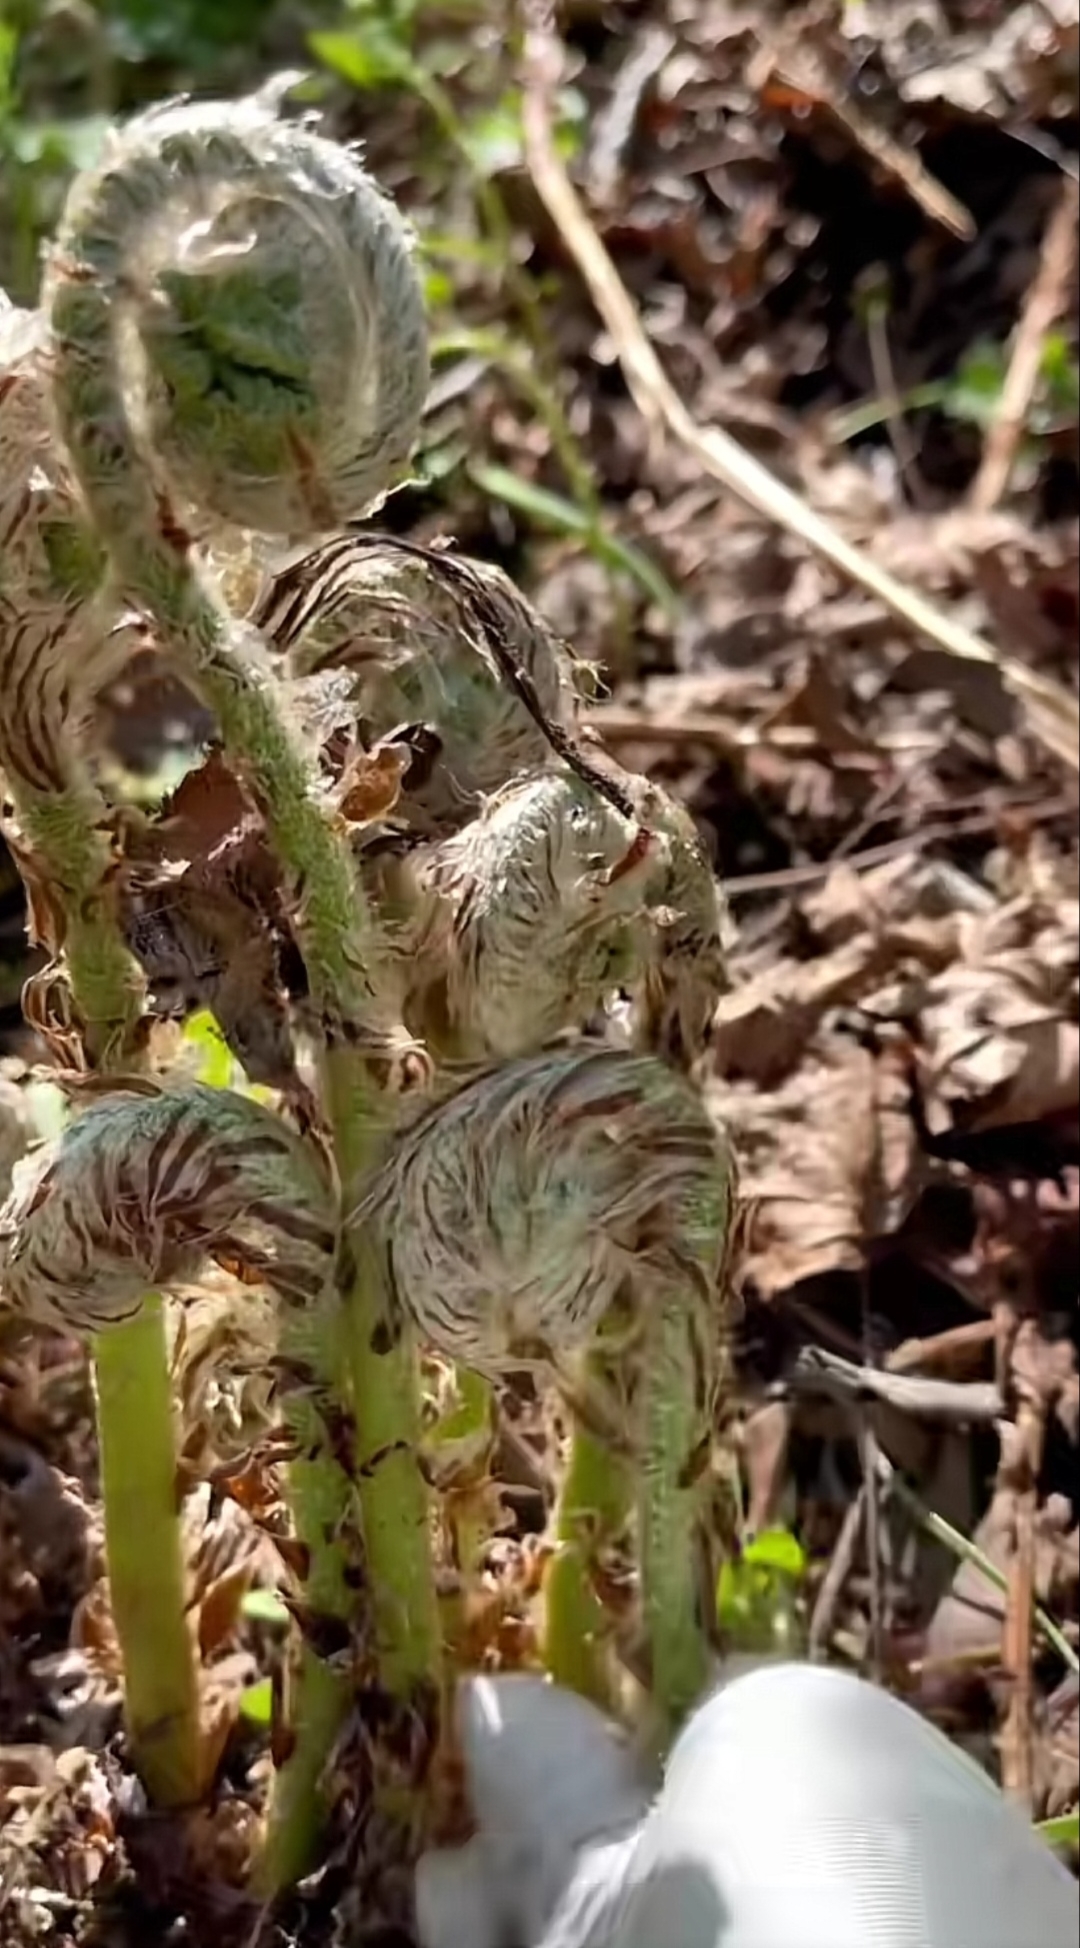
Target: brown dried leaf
(1001,1025)
(219,1607)
(763,1028)
(827,1162)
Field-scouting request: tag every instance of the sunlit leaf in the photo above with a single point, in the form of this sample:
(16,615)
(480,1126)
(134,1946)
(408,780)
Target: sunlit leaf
(257,1702)
(553,511)
(1063,1831)
(369,59)
(266,1607)
(777,1550)
(216,1065)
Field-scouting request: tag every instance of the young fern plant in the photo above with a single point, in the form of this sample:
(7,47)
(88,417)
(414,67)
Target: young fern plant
(55,645)
(237,341)
(524,899)
(552,1194)
(238,338)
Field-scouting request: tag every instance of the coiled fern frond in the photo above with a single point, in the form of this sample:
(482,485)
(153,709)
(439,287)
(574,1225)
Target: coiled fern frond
(143,1188)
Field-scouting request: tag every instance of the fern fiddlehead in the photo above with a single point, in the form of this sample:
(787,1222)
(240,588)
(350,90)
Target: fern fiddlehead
(238,335)
(551,1194)
(550,900)
(145,1186)
(415,630)
(513,1215)
(55,645)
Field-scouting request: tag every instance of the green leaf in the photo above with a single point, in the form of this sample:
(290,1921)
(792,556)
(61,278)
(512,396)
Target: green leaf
(9,47)
(75,145)
(974,392)
(1061,1832)
(460,250)
(265,1606)
(777,1550)
(48,1109)
(438,289)
(216,1066)
(757,1595)
(186,33)
(370,59)
(440,462)
(257,1703)
(1060,374)
(553,511)
(494,139)
(464,1432)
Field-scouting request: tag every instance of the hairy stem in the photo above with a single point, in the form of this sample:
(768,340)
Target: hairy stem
(382,1372)
(142,1537)
(319,1496)
(594,1507)
(593,1504)
(62,818)
(135,1420)
(668,1520)
(683,1369)
(65,832)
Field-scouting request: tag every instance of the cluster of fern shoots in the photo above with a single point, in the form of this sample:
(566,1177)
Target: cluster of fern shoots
(464,963)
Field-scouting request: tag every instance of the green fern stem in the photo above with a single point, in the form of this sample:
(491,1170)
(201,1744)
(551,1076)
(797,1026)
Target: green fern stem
(669,1514)
(135,1419)
(147,1580)
(593,1511)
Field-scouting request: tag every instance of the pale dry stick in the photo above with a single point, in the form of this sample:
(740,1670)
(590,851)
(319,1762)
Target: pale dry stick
(841,1563)
(955,1344)
(965,1403)
(1017,1732)
(635,724)
(1054,714)
(1022,1449)
(881,365)
(1044,304)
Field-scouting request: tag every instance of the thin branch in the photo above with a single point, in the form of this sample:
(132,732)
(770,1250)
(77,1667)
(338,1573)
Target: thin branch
(949,1402)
